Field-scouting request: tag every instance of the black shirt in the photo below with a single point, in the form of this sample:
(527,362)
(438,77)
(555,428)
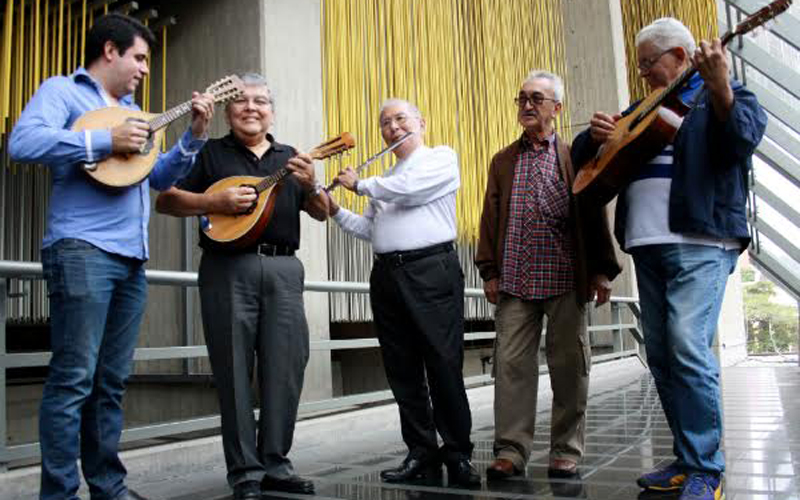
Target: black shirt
(227,157)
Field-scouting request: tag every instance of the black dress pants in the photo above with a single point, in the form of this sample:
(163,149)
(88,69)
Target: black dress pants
(418,306)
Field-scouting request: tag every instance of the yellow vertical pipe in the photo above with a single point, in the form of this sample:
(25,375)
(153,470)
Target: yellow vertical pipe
(164,81)
(37,59)
(46,42)
(60,42)
(83,33)
(20,59)
(68,40)
(5,65)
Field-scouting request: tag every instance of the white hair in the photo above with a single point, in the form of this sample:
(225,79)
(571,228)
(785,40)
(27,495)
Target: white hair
(555,80)
(667,33)
(400,102)
(255,80)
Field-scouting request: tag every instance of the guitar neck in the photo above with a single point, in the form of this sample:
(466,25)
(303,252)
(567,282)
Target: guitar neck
(170,116)
(678,84)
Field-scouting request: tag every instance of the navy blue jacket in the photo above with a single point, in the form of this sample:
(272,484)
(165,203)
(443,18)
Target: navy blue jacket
(710,171)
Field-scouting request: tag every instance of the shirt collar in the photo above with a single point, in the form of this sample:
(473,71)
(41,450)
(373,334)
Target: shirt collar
(690,89)
(527,143)
(81,74)
(232,141)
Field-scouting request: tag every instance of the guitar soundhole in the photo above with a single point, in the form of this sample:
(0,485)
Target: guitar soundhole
(254,205)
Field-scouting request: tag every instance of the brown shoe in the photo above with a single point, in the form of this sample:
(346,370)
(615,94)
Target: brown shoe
(501,468)
(562,468)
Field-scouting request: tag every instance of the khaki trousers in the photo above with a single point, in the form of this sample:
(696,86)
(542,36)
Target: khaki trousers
(516,368)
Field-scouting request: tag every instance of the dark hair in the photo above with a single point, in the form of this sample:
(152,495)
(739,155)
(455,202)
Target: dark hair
(118,29)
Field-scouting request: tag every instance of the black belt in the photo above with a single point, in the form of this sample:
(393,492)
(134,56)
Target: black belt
(401,257)
(265,249)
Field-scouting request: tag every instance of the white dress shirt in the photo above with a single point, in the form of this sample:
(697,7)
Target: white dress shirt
(412,206)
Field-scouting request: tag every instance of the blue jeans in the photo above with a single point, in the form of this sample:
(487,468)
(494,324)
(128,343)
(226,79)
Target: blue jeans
(97,300)
(681,287)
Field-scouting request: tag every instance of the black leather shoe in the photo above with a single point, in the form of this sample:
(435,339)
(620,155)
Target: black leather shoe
(247,490)
(463,473)
(291,484)
(413,469)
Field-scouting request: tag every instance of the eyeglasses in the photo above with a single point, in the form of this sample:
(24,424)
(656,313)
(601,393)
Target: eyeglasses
(257,101)
(399,119)
(646,64)
(536,99)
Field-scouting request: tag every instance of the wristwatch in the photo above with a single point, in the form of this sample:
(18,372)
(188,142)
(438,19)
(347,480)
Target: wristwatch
(316,190)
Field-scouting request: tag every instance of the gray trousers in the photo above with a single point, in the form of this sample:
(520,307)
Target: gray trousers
(252,309)
(519,332)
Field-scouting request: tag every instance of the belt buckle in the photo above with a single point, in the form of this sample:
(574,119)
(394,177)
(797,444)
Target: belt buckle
(267,250)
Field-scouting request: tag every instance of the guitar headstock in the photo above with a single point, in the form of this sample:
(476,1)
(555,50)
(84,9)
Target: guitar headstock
(760,17)
(335,146)
(226,89)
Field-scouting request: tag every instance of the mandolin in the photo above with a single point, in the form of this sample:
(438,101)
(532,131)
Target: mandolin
(127,169)
(649,128)
(244,229)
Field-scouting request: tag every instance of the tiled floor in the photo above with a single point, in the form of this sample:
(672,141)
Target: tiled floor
(627,434)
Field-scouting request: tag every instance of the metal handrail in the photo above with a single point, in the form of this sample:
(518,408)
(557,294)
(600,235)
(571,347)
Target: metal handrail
(33,271)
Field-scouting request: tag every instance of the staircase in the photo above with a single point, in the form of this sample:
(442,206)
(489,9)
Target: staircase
(768,64)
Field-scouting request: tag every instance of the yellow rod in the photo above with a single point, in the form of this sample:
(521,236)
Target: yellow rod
(60,43)
(83,33)
(37,59)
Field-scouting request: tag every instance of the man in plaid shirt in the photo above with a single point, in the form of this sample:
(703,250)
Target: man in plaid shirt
(541,253)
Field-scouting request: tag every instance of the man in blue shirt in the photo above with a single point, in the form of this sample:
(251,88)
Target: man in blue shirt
(93,253)
(683,219)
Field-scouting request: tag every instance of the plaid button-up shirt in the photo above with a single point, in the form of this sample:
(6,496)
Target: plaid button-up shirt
(539,255)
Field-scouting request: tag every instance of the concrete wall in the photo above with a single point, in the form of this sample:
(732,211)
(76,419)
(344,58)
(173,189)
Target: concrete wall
(213,39)
(292,60)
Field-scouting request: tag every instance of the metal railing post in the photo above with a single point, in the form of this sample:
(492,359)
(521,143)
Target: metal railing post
(619,345)
(3,399)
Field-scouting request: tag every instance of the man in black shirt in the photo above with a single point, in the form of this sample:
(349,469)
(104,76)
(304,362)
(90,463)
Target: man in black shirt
(252,298)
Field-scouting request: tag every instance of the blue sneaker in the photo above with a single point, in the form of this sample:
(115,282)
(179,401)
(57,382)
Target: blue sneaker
(702,486)
(670,478)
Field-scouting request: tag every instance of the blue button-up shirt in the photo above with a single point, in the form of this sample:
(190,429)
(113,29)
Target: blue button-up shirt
(113,219)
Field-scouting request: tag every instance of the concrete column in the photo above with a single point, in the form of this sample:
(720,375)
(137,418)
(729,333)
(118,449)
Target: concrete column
(291,58)
(730,346)
(596,80)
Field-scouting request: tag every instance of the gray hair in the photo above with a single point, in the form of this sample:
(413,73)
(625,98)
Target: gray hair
(400,102)
(555,80)
(255,80)
(667,33)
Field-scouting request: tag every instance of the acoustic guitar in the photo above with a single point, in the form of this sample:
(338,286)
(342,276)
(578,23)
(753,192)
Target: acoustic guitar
(244,229)
(649,128)
(127,169)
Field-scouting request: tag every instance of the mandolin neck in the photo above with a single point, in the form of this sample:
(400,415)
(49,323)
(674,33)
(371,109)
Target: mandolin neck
(169,116)
(271,180)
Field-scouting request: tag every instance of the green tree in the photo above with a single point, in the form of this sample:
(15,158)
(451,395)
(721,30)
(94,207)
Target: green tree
(771,327)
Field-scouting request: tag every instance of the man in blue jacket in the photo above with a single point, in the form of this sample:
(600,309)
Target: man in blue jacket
(93,253)
(683,219)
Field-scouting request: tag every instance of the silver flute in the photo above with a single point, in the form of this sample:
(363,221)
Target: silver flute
(387,149)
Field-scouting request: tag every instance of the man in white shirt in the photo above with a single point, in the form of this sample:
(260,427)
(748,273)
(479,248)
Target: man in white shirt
(417,295)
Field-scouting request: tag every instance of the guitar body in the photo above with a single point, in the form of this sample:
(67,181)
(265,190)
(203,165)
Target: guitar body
(241,230)
(630,146)
(120,170)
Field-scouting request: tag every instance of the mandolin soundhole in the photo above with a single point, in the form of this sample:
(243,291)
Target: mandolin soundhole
(254,205)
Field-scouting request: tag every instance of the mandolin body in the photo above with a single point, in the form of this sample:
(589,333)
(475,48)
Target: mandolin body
(121,170)
(241,230)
